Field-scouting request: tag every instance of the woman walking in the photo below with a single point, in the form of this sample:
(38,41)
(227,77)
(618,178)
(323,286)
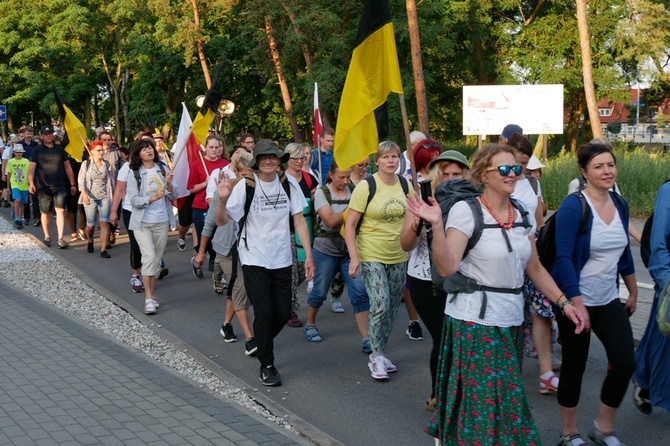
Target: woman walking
(150,193)
(480,391)
(589,261)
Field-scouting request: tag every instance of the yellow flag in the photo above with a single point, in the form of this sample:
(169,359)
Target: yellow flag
(76,132)
(373,74)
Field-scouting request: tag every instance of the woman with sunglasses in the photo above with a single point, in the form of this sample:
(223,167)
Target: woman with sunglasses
(588,263)
(359,171)
(308,184)
(96,183)
(480,390)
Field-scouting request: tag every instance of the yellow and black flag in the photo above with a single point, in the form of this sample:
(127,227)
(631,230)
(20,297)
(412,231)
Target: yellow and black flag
(207,112)
(373,73)
(75,133)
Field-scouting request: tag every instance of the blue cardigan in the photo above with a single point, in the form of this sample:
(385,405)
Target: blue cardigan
(573,249)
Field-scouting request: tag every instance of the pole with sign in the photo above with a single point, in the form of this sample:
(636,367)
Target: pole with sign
(3,112)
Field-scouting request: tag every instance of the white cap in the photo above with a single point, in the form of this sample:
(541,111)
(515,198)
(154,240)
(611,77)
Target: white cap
(534,164)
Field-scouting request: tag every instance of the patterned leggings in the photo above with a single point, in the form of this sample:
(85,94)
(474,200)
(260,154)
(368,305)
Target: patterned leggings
(297,275)
(384,284)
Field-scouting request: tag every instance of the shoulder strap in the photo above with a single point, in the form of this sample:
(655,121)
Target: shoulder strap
(250,184)
(404,184)
(581,183)
(476,209)
(308,179)
(136,172)
(286,185)
(533,182)
(525,220)
(586,212)
(220,174)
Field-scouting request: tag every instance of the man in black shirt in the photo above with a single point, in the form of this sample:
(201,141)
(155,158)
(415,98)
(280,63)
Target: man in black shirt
(48,174)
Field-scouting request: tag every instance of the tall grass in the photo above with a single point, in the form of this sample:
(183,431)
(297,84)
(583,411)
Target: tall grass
(639,175)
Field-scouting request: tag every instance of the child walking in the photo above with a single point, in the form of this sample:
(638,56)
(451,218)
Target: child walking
(17,177)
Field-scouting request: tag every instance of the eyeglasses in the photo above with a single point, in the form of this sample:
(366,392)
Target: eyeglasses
(505,170)
(363,165)
(299,160)
(251,141)
(99,150)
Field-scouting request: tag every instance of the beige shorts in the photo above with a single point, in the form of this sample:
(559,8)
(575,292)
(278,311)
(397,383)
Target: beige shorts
(239,295)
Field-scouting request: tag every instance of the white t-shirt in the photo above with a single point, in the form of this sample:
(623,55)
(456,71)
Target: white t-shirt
(265,240)
(213,180)
(598,277)
(156,212)
(123,175)
(491,264)
(524,192)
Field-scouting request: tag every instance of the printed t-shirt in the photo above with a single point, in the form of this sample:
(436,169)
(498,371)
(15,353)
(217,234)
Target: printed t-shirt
(265,239)
(379,236)
(155,212)
(19,170)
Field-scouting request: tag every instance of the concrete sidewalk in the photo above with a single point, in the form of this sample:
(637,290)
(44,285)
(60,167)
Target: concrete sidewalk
(63,383)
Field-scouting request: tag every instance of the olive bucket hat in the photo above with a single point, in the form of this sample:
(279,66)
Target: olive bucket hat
(267,147)
(453,156)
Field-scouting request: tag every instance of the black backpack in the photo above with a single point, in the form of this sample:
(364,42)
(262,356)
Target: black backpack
(645,239)
(546,239)
(447,194)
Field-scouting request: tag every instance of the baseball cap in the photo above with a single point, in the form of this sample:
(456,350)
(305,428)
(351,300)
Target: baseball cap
(511,129)
(46,129)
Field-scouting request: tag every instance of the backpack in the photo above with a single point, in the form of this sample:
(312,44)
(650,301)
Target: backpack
(88,165)
(546,239)
(136,172)
(645,239)
(372,187)
(447,194)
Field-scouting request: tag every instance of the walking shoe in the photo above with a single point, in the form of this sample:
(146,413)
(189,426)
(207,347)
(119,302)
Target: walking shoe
(181,244)
(163,272)
(47,242)
(210,267)
(105,255)
(390,368)
(6,203)
(156,304)
(571,440)
(62,244)
(604,438)
(414,331)
(251,347)
(641,399)
(73,238)
(224,282)
(136,283)
(217,284)
(365,346)
(149,307)
(18,224)
(311,333)
(89,247)
(81,236)
(269,376)
(197,272)
(228,333)
(294,321)
(377,368)
(430,404)
(112,237)
(37,223)
(336,307)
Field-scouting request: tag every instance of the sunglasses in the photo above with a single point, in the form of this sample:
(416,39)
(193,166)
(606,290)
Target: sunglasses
(505,170)
(298,160)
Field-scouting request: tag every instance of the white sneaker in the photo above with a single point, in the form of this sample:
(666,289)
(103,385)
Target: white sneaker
(390,368)
(149,307)
(377,367)
(336,307)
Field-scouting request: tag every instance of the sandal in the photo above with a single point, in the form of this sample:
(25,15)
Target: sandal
(604,438)
(549,386)
(312,333)
(573,439)
(641,399)
(217,284)
(294,321)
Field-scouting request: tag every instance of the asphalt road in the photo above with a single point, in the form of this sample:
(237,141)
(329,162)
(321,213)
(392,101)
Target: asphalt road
(328,384)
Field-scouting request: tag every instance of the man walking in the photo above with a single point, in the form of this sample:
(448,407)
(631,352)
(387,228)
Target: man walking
(47,175)
(322,157)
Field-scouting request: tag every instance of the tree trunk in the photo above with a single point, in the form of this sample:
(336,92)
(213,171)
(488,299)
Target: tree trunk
(587,69)
(417,65)
(286,96)
(201,50)
(296,30)
(114,84)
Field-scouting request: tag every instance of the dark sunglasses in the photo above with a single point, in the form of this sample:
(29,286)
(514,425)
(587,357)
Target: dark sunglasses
(505,170)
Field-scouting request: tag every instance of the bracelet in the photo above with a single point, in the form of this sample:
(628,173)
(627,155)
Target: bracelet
(567,302)
(558,301)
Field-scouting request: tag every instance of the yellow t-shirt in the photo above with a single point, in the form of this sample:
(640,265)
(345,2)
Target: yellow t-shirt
(379,237)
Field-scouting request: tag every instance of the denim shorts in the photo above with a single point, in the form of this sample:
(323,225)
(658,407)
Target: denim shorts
(51,197)
(97,208)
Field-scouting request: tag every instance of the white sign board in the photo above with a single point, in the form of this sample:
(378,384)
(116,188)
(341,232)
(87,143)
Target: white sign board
(538,109)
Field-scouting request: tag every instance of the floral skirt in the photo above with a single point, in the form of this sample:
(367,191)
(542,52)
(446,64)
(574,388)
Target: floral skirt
(480,394)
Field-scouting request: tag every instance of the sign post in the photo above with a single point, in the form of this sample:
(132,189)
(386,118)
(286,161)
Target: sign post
(3,112)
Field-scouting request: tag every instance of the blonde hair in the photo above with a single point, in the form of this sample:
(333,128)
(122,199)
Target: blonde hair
(482,160)
(437,176)
(242,161)
(295,150)
(386,147)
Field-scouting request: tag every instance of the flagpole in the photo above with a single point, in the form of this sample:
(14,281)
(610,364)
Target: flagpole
(408,142)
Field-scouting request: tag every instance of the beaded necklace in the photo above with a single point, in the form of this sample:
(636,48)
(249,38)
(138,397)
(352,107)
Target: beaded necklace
(510,214)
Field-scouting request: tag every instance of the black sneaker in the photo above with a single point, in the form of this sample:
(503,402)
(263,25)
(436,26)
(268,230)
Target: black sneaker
(414,331)
(197,272)
(210,267)
(162,273)
(105,255)
(641,399)
(250,347)
(228,333)
(269,376)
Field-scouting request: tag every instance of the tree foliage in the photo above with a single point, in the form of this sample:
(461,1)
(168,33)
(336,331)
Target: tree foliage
(130,63)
